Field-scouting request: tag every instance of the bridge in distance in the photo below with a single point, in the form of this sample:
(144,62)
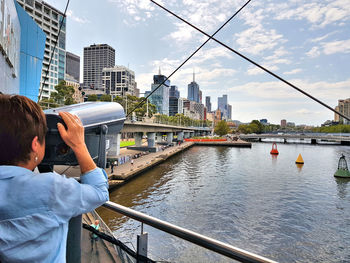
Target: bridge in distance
(314,138)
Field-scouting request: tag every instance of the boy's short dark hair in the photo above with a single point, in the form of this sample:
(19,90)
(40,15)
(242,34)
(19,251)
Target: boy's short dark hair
(21,119)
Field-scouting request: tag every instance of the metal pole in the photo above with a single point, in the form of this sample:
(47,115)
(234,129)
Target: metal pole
(147,108)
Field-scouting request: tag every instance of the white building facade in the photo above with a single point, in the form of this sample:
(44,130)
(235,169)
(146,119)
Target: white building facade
(119,81)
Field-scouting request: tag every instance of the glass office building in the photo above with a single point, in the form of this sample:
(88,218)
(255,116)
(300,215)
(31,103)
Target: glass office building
(160,97)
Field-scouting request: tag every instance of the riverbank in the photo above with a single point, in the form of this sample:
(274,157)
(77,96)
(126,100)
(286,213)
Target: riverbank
(123,173)
(127,171)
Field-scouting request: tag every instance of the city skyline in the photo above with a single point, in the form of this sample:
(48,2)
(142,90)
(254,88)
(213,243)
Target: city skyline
(308,44)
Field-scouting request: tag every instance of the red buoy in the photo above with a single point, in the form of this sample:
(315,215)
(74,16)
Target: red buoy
(274,149)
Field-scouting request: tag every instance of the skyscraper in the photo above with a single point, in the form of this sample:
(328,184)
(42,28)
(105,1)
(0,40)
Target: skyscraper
(208,103)
(193,91)
(73,65)
(174,96)
(49,20)
(160,97)
(222,106)
(229,112)
(97,57)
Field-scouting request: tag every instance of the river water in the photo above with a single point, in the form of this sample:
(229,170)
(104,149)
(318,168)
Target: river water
(247,198)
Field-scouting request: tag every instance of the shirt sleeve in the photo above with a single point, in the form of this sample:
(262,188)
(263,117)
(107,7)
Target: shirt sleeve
(70,198)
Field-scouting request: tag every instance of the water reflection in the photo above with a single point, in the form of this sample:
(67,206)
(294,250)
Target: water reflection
(274,159)
(342,185)
(299,166)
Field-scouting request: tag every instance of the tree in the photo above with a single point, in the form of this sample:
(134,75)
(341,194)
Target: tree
(130,102)
(222,128)
(92,97)
(62,96)
(106,97)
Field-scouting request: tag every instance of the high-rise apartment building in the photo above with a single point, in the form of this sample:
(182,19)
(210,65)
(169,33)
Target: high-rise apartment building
(49,20)
(344,108)
(97,57)
(174,95)
(208,103)
(73,65)
(119,81)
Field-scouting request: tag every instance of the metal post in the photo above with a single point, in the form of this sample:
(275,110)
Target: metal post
(142,244)
(73,254)
(147,108)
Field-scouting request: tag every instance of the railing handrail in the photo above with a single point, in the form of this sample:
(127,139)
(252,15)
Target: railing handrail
(193,237)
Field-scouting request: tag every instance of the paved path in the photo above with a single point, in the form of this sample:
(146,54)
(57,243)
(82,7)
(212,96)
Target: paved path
(126,171)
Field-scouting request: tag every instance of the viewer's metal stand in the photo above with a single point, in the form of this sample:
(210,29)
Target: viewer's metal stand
(75,224)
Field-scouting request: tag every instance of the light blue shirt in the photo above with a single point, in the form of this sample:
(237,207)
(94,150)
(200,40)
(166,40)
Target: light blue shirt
(35,210)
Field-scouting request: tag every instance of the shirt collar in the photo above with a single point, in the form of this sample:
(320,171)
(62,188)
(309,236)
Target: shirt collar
(8,171)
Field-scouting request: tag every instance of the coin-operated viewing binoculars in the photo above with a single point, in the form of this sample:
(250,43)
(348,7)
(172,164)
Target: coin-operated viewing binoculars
(98,118)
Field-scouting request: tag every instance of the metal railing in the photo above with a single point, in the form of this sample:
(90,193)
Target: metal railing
(167,122)
(193,237)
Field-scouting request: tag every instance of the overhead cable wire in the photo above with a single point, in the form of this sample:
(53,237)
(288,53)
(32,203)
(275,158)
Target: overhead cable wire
(183,63)
(253,62)
(53,51)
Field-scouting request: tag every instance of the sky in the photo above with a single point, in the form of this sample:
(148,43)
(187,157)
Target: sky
(305,42)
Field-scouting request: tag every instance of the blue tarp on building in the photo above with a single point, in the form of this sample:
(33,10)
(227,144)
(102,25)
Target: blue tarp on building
(31,54)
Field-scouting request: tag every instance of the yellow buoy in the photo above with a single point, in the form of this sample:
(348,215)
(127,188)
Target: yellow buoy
(299,159)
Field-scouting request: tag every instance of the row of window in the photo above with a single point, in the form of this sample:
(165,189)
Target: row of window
(39,6)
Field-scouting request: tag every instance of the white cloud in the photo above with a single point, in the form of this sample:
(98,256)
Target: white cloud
(257,39)
(314,52)
(257,71)
(327,91)
(329,48)
(294,71)
(316,12)
(341,46)
(211,54)
(319,39)
(139,10)
(182,33)
(70,14)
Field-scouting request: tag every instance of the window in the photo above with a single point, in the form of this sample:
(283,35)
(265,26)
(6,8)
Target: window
(30,2)
(47,10)
(54,15)
(38,6)
(62,40)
